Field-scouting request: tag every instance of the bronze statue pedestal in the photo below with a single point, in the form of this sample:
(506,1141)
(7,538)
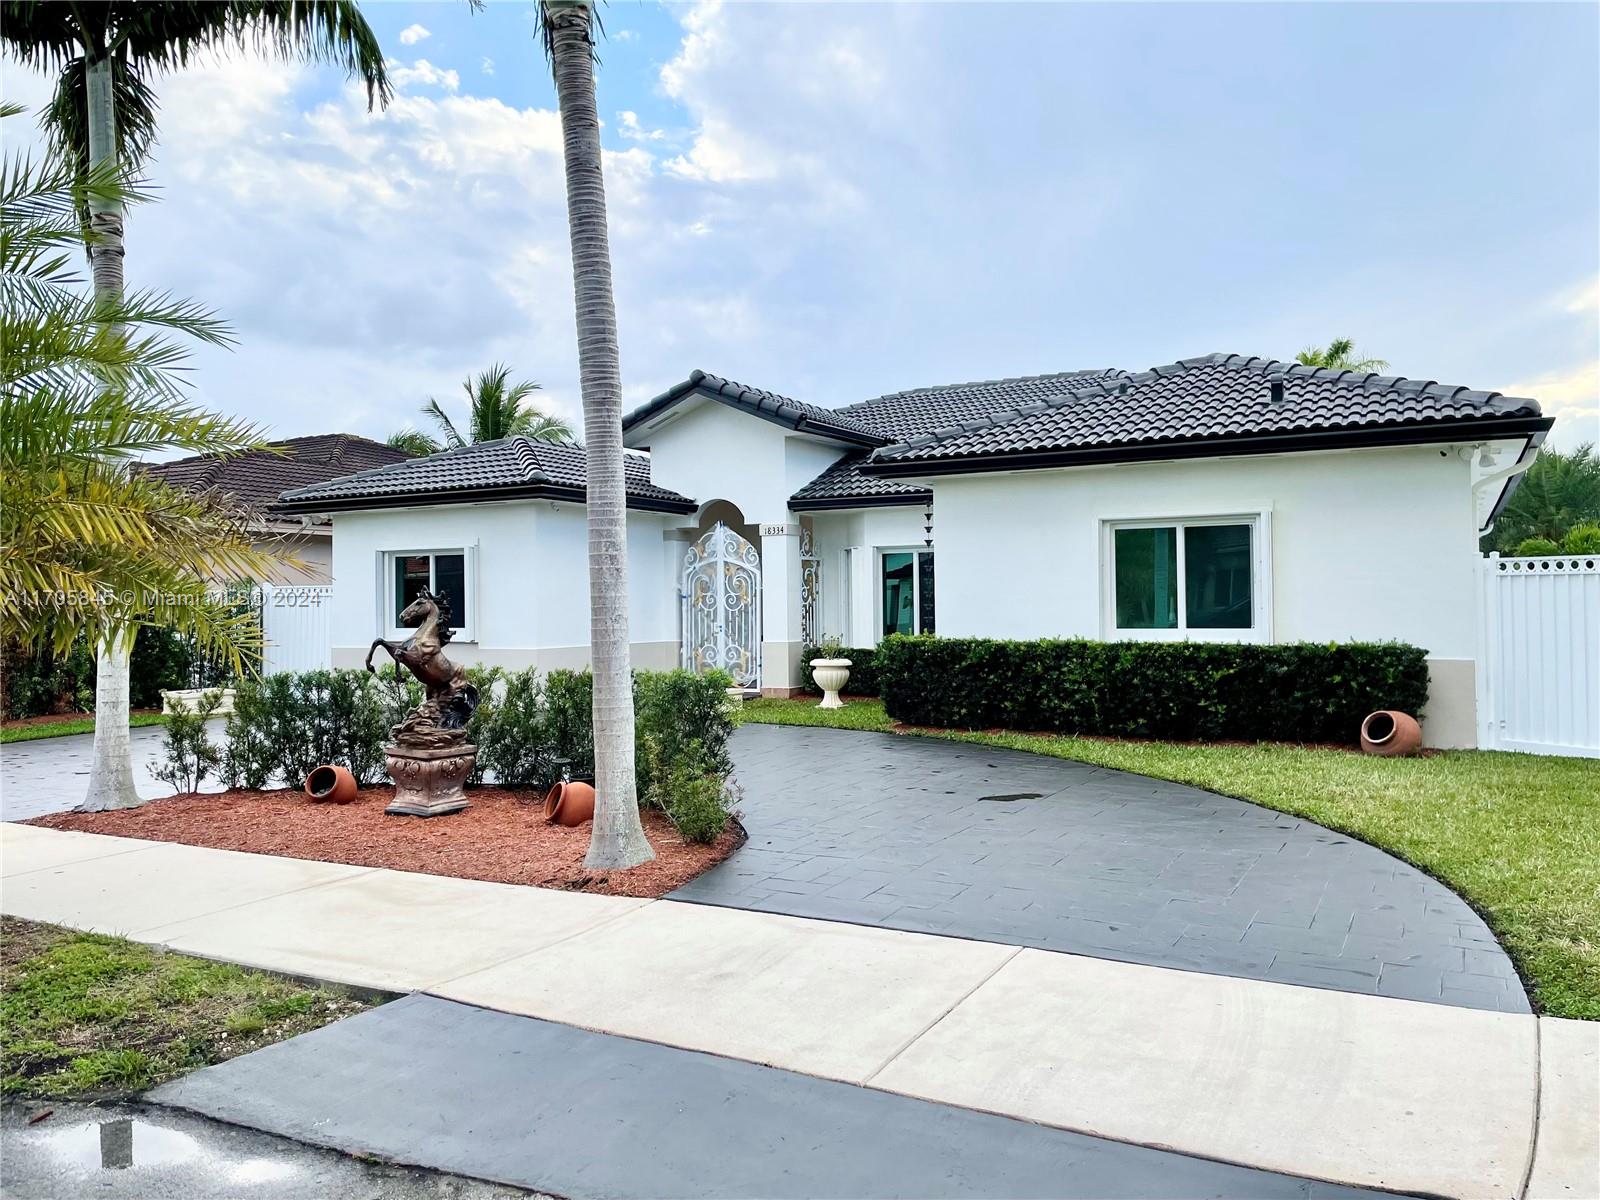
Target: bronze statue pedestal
(428,782)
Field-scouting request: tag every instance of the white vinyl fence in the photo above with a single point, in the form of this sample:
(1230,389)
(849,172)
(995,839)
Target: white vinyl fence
(1539,663)
(295,620)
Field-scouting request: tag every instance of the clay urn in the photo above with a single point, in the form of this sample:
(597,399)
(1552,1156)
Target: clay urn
(1390,734)
(569,803)
(334,784)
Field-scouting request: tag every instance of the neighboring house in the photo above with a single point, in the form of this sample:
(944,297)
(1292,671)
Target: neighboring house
(1220,498)
(256,479)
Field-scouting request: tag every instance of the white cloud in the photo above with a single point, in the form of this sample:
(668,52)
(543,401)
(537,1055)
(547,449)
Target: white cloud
(1572,397)
(623,35)
(1584,300)
(424,72)
(487,66)
(412,34)
(628,125)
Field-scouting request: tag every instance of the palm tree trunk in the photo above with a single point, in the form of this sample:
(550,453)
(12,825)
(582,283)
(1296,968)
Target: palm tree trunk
(618,839)
(111,773)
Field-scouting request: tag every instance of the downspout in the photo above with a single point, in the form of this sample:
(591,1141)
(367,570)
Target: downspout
(1530,452)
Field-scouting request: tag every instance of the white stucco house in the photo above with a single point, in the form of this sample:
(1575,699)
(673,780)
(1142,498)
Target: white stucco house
(1221,497)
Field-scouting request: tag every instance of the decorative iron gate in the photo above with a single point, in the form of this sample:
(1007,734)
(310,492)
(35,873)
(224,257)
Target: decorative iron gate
(810,589)
(722,606)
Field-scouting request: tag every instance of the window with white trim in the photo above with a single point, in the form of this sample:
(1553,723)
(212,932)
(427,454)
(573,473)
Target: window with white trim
(1202,577)
(441,572)
(906,581)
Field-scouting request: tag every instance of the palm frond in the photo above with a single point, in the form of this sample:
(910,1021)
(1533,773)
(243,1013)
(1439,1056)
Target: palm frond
(413,441)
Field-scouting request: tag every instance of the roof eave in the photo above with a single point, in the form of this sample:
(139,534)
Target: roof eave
(826,503)
(542,491)
(1419,433)
(800,423)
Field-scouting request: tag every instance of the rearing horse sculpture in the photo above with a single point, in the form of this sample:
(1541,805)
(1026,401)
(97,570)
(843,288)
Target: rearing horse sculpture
(441,719)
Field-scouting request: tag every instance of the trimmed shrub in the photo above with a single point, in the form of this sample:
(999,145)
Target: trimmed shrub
(1582,539)
(863,670)
(1174,691)
(569,720)
(1535,547)
(285,725)
(513,745)
(698,801)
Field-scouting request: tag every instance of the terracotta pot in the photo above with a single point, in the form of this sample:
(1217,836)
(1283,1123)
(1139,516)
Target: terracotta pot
(830,674)
(334,784)
(569,804)
(1390,734)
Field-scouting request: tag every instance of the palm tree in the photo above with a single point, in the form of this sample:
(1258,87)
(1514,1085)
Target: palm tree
(618,839)
(1340,355)
(1556,493)
(497,411)
(103,113)
(87,385)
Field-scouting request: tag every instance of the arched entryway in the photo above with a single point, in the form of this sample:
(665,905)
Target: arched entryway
(722,605)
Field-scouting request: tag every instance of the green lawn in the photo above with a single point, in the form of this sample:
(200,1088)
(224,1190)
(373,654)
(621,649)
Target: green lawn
(50,729)
(1516,835)
(89,1016)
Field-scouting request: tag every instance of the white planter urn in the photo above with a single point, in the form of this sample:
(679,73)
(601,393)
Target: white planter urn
(830,674)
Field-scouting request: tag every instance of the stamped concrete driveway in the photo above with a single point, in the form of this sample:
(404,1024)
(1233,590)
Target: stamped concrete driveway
(970,841)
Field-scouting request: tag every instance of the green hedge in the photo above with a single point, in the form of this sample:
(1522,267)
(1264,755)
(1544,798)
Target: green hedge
(863,670)
(525,726)
(1175,691)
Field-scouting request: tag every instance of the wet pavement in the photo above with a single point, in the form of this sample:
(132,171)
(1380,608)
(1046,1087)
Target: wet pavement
(148,1153)
(1003,846)
(51,775)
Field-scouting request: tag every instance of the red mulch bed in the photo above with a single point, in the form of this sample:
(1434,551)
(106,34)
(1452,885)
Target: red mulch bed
(502,837)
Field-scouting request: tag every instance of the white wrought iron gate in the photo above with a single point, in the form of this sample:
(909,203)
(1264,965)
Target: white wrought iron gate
(1539,665)
(722,606)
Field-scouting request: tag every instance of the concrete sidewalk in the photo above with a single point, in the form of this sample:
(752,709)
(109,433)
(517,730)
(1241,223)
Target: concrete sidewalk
(1355,1089)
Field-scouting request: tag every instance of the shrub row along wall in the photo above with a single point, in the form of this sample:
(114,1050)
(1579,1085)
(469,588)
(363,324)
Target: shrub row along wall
(527,727)
(863,670)
(1184,691)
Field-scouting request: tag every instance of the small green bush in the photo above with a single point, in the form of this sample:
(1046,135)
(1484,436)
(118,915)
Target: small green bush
(569,720)
(513,744)
(1174,691)
(1582,539)
(698,801)
(188,755)
(863,670)
(1535,547)
(688,719)
(285,725)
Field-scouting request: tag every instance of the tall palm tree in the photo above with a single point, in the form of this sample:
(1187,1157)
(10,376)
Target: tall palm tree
(1556,493)
(85,386)
(496,410)
(618,839)
(103,113)
(1339,355)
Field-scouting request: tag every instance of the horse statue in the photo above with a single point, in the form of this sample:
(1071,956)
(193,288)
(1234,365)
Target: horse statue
(441,720)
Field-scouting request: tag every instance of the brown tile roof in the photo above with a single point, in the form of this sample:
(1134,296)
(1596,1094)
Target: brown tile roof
(257,478)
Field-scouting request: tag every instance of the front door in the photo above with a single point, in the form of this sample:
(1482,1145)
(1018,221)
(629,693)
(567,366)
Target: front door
(722,606)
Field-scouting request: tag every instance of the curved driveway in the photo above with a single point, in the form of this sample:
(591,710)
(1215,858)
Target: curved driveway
(914,833)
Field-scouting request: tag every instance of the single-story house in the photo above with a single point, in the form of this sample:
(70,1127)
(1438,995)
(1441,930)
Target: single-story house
(1221,497)
(303,542)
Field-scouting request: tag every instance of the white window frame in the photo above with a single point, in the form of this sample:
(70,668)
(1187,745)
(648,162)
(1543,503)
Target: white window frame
(916,586)
(1260,629)
(467,631)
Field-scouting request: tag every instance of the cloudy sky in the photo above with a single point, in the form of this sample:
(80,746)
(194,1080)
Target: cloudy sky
(836,201)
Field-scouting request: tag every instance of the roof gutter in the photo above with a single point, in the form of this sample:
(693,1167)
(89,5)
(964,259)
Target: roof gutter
(915,499)
(1415,434)
(543,491)
(1512,475)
